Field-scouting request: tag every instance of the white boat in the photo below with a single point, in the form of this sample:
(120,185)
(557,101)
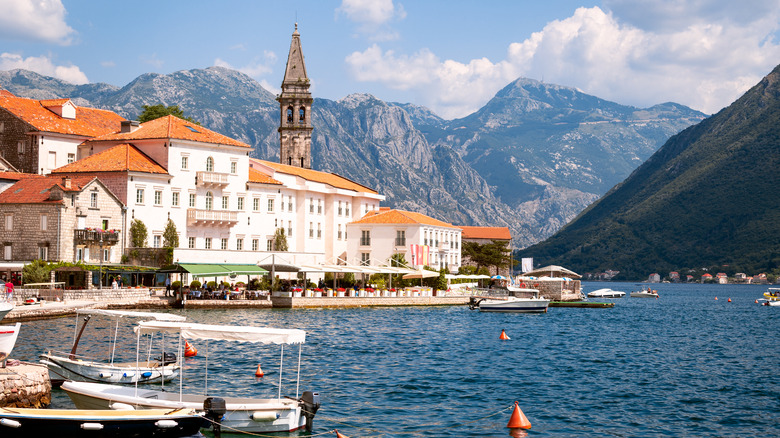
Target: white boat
(520,300)
(8,334)
(63,366)
(645,293)
(27,423)
(606,293)
(5,307)
(253,415)
(765,302)
(772,294)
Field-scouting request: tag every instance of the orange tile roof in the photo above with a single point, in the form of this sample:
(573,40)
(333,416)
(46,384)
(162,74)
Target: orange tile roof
(400,217)
(330,179)
(256,176)
(171,127)
(16,175)
(36,189)
(89,122)
(495,233)
(120,158)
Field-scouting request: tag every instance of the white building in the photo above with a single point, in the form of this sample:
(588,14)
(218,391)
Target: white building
(423,240)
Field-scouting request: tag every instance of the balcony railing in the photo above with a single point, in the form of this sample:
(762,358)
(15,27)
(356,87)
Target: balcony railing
(222,218)
(85,236)
(211,179)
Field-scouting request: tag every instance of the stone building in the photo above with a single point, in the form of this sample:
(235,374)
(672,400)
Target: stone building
(295,126)
(37,136)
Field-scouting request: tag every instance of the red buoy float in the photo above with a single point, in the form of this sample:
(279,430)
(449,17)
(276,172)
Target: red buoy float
(189,350)
(259,372)
(729,300)
(340,435)
(518,419)
(503,336)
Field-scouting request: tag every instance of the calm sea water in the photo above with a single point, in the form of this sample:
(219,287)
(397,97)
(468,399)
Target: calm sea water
(682,365)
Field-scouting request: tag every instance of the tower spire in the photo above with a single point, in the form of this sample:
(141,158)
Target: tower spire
(295,103)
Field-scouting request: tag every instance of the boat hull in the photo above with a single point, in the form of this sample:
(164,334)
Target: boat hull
(5,307)
(29,423)
(517,305)
(62,369)
(606,293)
(8,334)
(644,295)
(243,414)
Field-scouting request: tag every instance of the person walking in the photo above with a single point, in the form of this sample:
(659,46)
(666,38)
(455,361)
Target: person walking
(168,286)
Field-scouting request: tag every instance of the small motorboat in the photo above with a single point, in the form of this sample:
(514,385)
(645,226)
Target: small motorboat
(772,294)
(8,334)
(606,293)
(5,307)
(765,302)
(642,293)
(519,300)
(27,423)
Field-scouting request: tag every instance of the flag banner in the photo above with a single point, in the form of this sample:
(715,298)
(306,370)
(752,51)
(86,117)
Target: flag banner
(527,264)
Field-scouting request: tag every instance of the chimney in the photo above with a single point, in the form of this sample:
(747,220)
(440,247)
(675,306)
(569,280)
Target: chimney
(66,182)
(129,126)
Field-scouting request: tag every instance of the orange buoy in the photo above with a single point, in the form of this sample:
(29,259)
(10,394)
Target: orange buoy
(189,350)
(729,300)
(259,372)
(503,336)
(518,420)
(340,435)
(756,301)
(716,298)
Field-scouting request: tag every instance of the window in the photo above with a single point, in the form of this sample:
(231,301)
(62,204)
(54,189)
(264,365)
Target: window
(289,203)
(93,200)
(289,114)
(104,224)
(106,254)
(365,238)
(9,222)
(302,115)
(223,244)
(311,230)
(256,204)
(269,245)
(400,238)
(255,244)
(20,146)
(209,201)
(270,205)
(340,209)
(44,222)
(365,259)
(319,230)
(347,214)
(158,197)
(319,206)
(208,243)
(289,228)
(2,127)
(80,254)
(311,206)
(185,163)
(225,202)
(139,196)
(233,166)
(209,164)
(191,242)
(157,241)
(239,244)
(240,202)
(7,253)
(43,252)
(192,200)
(71,158)
(175,199)
(339,233)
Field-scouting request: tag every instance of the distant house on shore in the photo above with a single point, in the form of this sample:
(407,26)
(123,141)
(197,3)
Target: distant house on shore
(654,278)
(706,277)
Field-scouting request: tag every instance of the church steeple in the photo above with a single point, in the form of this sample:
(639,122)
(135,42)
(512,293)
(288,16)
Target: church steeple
(295,103)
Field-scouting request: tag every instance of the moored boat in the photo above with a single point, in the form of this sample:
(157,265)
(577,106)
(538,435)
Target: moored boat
(642,293)
(254,415)
(8,334)
(28,423)
(5,307)
(519,300)
(772,294)
(606,293)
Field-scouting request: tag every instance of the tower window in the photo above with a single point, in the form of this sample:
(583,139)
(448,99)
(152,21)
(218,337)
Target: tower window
(302,162)
(289,114)
(302,115)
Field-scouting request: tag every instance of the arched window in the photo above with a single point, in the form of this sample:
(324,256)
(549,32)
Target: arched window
(209,201)
(302,162)
(289,161)
(209,164)
(289,114)
(302,115)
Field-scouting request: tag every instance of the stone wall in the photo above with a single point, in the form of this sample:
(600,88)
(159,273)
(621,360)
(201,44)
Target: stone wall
(26,234)
(299,302)
(24,386)
(557,290)
(14,131)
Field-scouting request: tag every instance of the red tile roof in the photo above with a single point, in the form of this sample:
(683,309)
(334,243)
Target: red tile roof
(36,189)
(171,127)
(494,233)
(89,122)
(16,175)
(120,158)
(400,217)
(256,176)
(330,179)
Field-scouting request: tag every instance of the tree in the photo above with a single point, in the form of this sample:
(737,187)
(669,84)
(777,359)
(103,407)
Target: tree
(36,271)
(170,236)
(494,254)
(280,240)
(152,112)
(138,234)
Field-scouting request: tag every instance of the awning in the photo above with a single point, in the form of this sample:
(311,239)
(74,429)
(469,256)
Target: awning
(132,314)
(216,270)
(192,331)
(246,269)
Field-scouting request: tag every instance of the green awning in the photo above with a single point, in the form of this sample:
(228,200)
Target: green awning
(220,270)
(246,269)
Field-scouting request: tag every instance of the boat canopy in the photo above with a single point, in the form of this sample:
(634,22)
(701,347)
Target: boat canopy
(132,314)
(238,333)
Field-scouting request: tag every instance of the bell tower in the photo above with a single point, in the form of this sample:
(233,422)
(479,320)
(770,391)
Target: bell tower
(295,102)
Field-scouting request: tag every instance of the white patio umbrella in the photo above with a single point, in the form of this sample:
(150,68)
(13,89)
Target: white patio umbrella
(421,273)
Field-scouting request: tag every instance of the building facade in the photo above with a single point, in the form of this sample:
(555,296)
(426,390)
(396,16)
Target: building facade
(295,101)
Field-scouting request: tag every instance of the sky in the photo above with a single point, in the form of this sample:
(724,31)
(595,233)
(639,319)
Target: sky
(449,56)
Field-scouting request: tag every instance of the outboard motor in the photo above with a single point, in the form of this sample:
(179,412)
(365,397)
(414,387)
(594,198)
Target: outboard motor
(166,359)
(311,402)
(215,409)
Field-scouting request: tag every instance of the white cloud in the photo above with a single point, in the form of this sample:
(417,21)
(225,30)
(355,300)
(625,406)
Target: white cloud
(373,17)
(256,68)
(705,63)
(43,65)
(35,20)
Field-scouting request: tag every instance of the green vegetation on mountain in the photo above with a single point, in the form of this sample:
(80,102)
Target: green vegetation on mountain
(706,198)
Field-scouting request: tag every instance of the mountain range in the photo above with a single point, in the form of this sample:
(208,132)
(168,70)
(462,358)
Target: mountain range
(706,199)
(531,159)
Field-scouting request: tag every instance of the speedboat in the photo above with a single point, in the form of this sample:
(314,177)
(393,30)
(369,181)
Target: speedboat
(26,423)
(772,294)
(606,293)
(5,307)
(765,302)
(8,334)
(520,300)
(253,415)
(70,366)
(644,293)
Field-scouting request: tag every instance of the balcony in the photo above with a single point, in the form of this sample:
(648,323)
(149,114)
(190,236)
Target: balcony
(95,237)
(219,218)
(211,179)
